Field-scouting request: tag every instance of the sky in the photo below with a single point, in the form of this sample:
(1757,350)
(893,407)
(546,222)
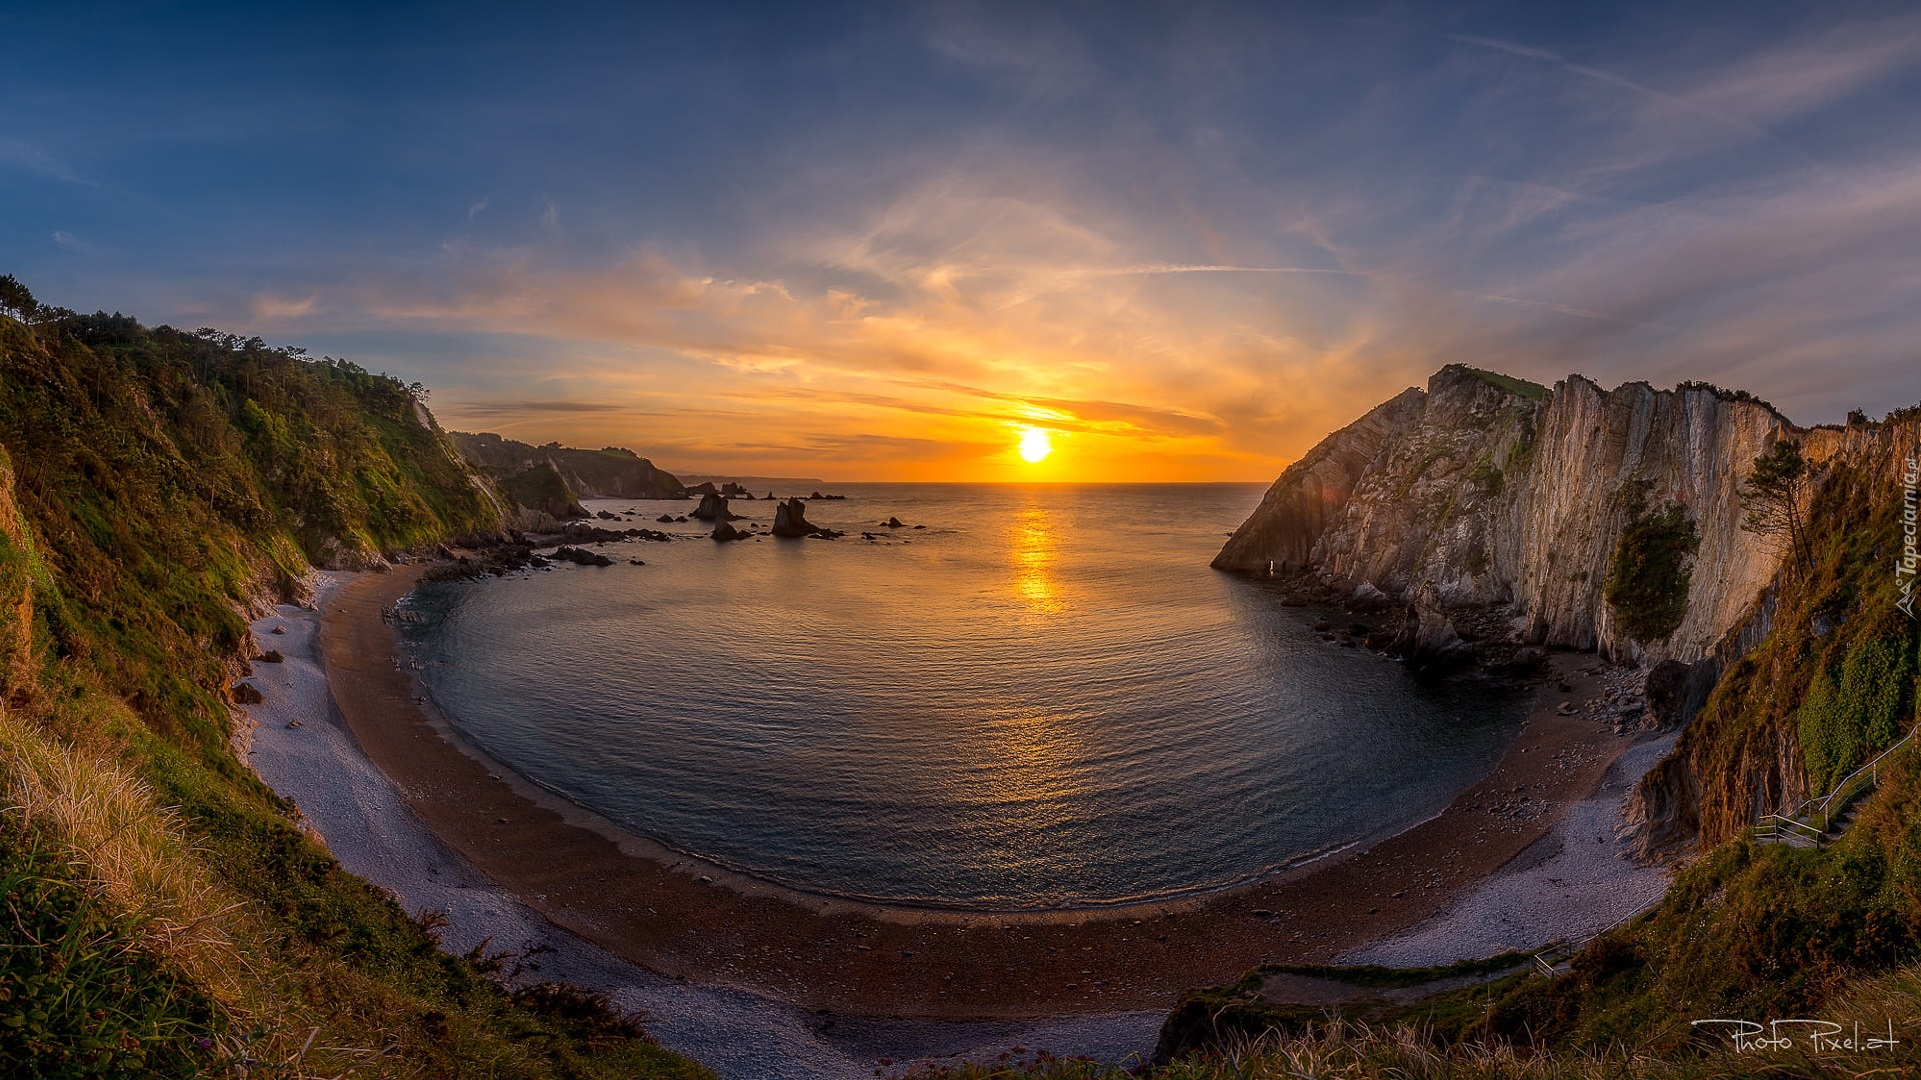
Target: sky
(860,241)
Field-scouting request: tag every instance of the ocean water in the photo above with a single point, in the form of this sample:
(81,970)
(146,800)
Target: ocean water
(1043,698)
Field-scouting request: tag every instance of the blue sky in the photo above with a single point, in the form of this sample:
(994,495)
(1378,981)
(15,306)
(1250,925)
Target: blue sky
(881,240)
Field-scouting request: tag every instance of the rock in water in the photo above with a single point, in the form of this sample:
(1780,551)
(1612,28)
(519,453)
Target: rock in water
(582,556)
(713,507)
(724,531)
(790,519)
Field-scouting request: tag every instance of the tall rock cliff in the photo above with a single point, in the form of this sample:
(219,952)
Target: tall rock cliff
(1482,489)
(1493,490)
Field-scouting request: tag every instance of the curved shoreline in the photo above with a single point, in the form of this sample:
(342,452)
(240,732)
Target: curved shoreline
(689,919)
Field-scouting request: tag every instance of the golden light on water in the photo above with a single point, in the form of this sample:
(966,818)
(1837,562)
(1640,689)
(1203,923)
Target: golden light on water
(1035,445)
(1033,554)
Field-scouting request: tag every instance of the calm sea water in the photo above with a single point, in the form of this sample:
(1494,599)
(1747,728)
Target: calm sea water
(1043,698)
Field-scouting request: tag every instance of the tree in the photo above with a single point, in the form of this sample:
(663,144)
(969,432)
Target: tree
(16,298)
(1773,496)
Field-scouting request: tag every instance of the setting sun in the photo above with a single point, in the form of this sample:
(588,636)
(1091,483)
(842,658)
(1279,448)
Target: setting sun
(1035,445)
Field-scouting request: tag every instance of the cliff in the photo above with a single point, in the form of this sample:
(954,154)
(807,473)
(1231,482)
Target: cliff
(1613,520)
(1492,490)
(612,473)
(165,914)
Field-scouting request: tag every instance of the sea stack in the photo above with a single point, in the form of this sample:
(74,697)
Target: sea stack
(790,519)
(713,507)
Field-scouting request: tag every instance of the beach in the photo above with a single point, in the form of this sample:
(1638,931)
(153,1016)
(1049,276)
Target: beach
(755,979)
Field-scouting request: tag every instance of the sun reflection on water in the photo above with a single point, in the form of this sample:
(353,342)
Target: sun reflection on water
(1034,549)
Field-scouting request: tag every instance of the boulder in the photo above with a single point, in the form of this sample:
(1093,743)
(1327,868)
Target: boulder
(271,656)
(245,693)
(724,531)
(667,519)
(1369,598)
(894,523)
(1428,642)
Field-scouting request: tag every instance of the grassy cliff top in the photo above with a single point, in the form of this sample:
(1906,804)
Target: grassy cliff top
(165,914)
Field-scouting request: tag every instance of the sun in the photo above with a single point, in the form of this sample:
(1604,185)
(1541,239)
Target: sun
(1035,445)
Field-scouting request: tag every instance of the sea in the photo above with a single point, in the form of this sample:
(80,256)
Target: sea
(1025,697)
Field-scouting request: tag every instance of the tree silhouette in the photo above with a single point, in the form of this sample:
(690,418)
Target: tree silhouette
(16,298)
(1772,498)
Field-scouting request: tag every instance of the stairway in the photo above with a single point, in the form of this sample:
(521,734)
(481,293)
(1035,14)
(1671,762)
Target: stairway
(1797,829)
(1796,832)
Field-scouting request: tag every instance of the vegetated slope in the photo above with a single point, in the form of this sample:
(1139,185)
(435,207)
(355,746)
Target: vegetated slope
(165,915)
(1816,677)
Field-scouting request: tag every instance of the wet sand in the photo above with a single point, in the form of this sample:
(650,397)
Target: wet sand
(682,918)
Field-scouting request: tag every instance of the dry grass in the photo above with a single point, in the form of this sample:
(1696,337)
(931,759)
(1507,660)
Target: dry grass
(133,855)
(1348,1050)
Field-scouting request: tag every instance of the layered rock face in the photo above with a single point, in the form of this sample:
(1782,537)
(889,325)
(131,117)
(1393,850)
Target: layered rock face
(1490,490)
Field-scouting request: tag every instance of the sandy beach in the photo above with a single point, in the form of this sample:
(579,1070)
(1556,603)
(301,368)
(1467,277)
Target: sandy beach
(758,980)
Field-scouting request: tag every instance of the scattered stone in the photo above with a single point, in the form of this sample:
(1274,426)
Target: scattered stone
(245,693)
(271,656)
(582,556)
(279,630)
(292,724)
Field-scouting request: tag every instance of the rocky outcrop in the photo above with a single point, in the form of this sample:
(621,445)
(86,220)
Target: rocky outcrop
(543,490)
(580,557)
(713,507)
(790,521)
(333,553)
(610,473)
(1491,490)
(1301,506)
(726,531)
(1676,691)
(1428,643)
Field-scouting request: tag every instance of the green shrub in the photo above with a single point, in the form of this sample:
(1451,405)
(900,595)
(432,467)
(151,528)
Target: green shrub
(1648,579)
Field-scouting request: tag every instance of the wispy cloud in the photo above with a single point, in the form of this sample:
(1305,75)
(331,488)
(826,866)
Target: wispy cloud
(37,159)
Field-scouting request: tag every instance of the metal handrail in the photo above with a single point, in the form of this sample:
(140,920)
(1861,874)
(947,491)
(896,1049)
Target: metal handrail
(1823,803)
(1873,768)
(1776,824)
